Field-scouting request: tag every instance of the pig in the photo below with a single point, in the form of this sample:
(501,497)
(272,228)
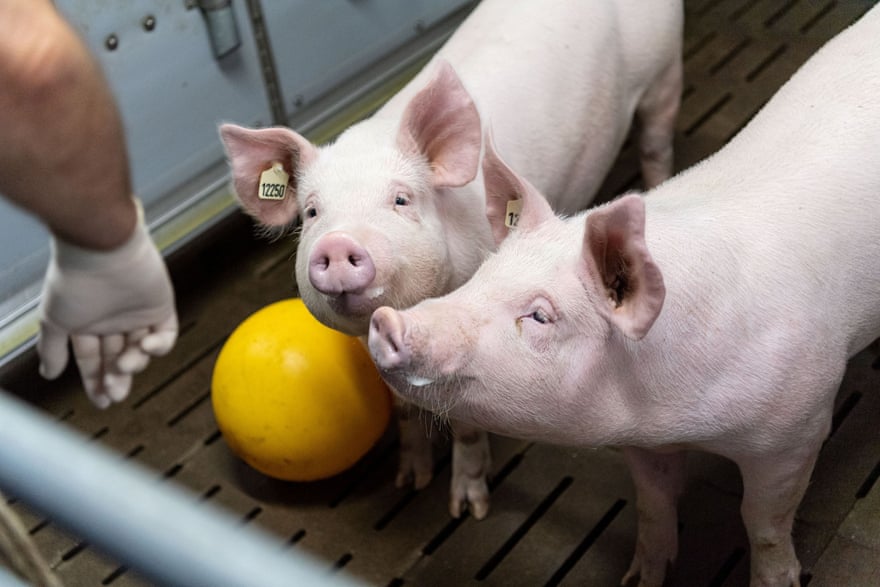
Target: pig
(393,212)
(716,312)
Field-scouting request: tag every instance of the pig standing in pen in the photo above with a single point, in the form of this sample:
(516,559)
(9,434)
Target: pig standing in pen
(393,212)
(716,313)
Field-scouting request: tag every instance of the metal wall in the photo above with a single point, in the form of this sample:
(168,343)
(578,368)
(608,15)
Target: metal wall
(178,68)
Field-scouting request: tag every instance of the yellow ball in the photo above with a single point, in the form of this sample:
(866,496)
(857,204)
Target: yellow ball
(294,399)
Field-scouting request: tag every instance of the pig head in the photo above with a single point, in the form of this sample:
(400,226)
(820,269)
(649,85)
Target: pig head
(379,224)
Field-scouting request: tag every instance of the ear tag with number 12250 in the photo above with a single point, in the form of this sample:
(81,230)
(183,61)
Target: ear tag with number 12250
(514,209)
(273,182)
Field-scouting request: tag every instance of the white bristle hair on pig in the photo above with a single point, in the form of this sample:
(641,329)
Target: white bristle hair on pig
(393,211)
(717,312)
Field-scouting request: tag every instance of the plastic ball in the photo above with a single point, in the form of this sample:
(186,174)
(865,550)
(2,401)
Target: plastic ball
(295,399)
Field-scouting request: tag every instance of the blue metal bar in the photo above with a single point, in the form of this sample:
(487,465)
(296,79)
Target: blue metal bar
(9,580)
(162,531)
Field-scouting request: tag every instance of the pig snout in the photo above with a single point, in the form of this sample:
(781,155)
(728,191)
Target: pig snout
(339,264)
(386,340)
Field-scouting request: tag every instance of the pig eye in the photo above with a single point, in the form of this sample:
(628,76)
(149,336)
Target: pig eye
(311,212)
(540,316)
(401,200)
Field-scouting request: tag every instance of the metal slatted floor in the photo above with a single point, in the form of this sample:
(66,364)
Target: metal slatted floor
(559,516)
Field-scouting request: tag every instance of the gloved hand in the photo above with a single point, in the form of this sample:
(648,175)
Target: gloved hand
(116,306)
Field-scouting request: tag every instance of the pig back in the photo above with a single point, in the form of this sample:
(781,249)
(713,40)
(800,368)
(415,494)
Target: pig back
(558,83)
(782,226)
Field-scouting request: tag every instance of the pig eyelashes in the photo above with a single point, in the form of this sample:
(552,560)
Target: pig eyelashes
(541,311)
(309,215)
(401,193)
(402,203)
(540,316)
(533,326)
(309,210)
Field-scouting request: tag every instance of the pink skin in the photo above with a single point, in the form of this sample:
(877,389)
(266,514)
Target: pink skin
(348,264)
(403,185)
(716,313)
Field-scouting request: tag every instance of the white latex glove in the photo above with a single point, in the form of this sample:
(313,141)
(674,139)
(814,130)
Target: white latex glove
(116,306)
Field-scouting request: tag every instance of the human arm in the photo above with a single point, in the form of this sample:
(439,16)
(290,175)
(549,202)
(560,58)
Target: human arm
(63,158)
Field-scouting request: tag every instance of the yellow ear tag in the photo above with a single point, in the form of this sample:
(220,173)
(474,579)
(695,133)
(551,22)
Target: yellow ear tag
(273,182)
(514,209)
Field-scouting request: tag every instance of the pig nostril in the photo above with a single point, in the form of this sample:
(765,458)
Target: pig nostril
(386,342)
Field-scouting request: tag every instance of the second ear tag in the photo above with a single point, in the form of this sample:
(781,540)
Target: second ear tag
(514,208)
(273,183)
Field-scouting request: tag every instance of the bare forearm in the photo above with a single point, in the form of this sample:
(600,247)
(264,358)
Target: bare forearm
(63,155)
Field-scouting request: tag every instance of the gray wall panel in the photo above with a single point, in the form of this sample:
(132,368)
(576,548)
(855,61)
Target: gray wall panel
(173,92)
(318,44)
(171,89)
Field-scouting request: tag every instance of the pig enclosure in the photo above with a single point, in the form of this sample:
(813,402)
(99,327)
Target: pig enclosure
(559,516)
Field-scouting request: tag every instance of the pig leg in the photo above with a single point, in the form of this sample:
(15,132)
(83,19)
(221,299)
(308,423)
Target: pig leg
(773,486)
(656,114)
(659,481)
(416,451)
(471,461)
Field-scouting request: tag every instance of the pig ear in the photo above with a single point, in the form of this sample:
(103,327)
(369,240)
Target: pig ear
(252,151)
(442,124)
(504,185)
(616,258)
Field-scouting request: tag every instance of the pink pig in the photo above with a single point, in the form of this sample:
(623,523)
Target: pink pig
(716,313)
(393,211)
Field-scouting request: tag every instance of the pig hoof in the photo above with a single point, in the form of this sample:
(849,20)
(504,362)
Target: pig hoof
(416,465)
(789,578)
(422,479)
(472,495)
(646,577)
(418,479)
(479,509)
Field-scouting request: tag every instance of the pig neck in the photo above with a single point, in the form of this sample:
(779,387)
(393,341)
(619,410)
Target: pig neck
(686,382)
(467,233)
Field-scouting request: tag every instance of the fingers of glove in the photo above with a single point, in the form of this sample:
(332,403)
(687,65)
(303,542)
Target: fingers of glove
(116,386)
(162,338)
(52,348)
(111,347)
(87,352)
(94,356)
(132,360)
(135,337)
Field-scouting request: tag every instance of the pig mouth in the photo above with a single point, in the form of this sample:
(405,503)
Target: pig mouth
(407,383)
(417,380)
(442,396)
(356,304)
(413,388)
(431,392)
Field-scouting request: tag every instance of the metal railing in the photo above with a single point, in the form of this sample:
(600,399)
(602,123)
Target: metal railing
(161,531)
